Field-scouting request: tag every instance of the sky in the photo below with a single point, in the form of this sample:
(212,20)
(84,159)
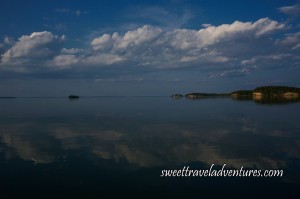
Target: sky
(146,48)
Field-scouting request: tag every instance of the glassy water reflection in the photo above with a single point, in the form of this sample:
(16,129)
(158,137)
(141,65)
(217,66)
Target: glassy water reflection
(118,145)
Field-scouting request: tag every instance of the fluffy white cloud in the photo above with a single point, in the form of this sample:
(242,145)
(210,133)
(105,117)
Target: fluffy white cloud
(210,35)
(151,46)
(102,42)
(228,47)
(29,48)
(132,39)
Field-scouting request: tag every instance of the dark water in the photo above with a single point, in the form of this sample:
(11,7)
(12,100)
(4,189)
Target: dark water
(117,146)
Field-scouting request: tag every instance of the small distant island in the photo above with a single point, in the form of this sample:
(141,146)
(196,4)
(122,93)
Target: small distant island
(73,97)
(176,96)
(262,94)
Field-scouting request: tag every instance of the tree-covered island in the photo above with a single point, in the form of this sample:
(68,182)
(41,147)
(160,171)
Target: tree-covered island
(272,94)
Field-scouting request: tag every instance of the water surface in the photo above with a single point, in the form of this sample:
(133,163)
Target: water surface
(91,147)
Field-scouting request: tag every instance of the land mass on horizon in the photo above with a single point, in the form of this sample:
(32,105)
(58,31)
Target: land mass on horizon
(259,94)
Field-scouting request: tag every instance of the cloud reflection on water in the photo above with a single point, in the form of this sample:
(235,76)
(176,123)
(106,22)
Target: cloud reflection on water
(152,144)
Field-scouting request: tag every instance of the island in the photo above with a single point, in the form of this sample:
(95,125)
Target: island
(262,94)
(177,96)
(268,92)
(73,97)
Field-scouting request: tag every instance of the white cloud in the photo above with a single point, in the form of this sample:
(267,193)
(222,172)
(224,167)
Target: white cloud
(29,48)
(72,50)
(270,57)
(137,37)
(293,10)
(131,39)
(249,61)
(266,26)
(8,40)
(292,41)
(186,39)
(102,42)
(150,46)
(206,25)
(238,72)
(205,57)
(229,49)
(65,61)
(102,59)
(296,47)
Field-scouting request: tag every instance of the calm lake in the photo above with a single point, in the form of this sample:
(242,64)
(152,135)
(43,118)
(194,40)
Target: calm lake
(118,146)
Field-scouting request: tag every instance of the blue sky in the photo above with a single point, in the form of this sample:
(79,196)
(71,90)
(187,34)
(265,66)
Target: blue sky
(54,48)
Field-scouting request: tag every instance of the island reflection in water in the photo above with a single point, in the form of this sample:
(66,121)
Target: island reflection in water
(53,137)
(269,100)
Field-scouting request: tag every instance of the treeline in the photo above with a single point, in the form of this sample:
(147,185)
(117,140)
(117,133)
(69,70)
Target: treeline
(268,90)
(277,90)
(262,91)
(201,95)
(243,92)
